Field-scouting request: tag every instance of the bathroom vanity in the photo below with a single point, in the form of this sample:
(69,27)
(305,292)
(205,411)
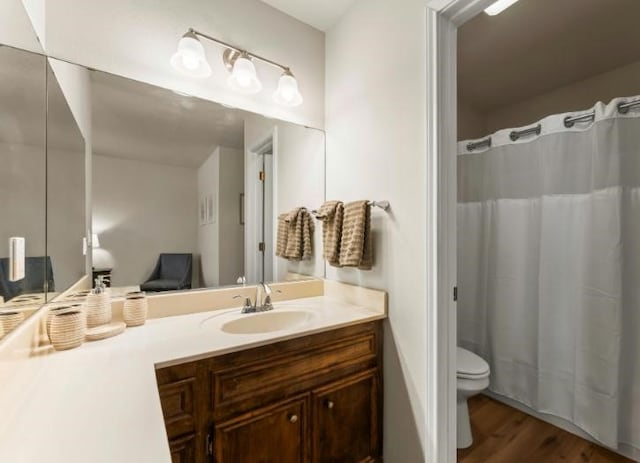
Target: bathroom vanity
(201,382)
(311,399)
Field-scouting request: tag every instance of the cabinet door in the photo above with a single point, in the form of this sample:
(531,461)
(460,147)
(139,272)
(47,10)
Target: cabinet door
(274,434)
(346,424)
(183,449)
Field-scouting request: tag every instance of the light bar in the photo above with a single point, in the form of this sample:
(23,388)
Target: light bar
(499,6)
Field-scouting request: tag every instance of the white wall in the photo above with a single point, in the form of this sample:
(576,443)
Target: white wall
(16,27)
(66,216)
(136,39)
(472,123)
(142,209)
(300,181)
(623,81)
(376,149)
(209,234)
(619,82)
(22,193)
(231,185)
(75,83)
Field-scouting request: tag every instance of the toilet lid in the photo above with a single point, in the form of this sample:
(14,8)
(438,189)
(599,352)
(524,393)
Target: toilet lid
(469,364)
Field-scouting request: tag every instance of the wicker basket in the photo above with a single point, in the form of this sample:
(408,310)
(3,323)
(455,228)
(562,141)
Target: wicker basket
(60,309)
(136,308)
(68,329)
(9,320)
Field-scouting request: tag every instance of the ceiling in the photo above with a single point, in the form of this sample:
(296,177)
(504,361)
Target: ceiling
(38,112)
(133,120)
(16,28)
(23,89)
(536,46)
(321,14)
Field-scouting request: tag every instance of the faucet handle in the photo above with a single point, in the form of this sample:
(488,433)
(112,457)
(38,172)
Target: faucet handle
(248,307)
(268,305)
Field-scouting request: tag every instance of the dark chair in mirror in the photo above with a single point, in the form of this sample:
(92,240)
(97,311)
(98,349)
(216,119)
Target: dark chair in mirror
(172,272)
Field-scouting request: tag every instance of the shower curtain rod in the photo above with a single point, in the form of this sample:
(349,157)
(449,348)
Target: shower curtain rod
(479,144)
(625,106)
(569,121)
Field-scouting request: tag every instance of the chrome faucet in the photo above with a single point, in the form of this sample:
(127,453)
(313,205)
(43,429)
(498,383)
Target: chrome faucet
(263,296)
(262,300)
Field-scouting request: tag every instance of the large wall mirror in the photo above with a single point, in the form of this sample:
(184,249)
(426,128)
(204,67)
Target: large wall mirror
(186,192)
(42,188)
(145,188)
(23,82)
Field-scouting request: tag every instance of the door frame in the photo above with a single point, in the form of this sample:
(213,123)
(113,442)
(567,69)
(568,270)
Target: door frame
(253,222)
(442,21)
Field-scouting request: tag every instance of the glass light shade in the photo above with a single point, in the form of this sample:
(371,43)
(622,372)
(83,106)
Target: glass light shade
(287,93)
(243,77)
(498,7)
(190,59)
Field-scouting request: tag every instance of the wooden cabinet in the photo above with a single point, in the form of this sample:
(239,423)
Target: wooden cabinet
(183,449)
(345,420)
(312,399)
(270,434)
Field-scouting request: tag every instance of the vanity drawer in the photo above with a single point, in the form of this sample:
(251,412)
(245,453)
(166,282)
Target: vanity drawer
(272,372)
(177,387)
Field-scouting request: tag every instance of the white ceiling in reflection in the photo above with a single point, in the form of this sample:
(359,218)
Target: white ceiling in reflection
(16,28)
(22,97)
(138,121)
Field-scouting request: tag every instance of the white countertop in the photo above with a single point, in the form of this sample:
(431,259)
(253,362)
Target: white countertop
(99,403)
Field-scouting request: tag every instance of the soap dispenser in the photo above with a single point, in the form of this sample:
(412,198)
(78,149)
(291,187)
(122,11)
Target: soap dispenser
(98,305)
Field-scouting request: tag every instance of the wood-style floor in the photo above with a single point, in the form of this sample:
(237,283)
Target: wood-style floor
(503,434)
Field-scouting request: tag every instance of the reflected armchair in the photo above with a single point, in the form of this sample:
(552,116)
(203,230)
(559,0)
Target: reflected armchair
(38,278)
(172,272)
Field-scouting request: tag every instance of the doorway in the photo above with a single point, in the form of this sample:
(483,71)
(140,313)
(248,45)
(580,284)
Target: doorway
(259,205)
(446,32)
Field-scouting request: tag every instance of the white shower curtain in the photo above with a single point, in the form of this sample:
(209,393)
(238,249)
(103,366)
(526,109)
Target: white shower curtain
(549,268)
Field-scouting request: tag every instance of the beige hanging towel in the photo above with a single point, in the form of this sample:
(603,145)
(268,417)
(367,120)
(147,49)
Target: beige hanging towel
(331,214)
(282,235)
(356,247)
(295,235)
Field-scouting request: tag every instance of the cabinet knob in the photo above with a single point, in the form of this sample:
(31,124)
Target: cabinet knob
(329,404)
(293,418)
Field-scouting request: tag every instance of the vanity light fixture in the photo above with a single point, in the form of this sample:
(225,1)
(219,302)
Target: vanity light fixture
(243,77)
(287,93)
(498,7)
(190,59)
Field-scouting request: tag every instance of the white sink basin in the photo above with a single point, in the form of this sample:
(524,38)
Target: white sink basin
(267,322)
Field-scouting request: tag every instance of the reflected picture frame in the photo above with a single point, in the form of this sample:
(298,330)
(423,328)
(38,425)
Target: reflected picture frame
(211,208)
(203,211)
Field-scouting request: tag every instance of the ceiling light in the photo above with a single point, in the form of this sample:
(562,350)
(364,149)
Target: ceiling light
(499,6)
(244,78)
(190,59)
(287,93)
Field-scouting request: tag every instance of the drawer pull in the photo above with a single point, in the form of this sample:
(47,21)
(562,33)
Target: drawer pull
(329,404)
(293,418)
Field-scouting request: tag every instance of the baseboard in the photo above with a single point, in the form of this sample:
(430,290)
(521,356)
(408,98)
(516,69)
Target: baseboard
(624,450)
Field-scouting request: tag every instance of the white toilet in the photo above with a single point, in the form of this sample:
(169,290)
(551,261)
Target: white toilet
(472,378)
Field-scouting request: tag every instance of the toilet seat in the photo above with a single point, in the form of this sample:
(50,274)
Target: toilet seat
(470,365)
